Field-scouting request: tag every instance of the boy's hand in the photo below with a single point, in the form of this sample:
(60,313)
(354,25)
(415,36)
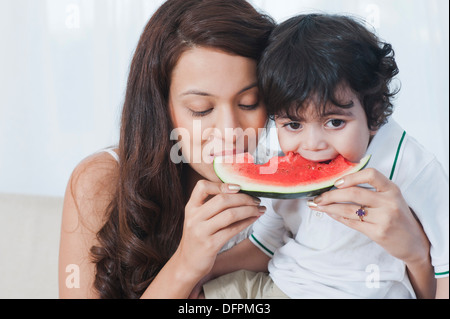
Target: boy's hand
(386,219)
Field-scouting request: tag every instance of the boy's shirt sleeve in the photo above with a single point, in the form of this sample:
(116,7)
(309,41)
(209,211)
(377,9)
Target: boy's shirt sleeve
(428,197)
(268,230)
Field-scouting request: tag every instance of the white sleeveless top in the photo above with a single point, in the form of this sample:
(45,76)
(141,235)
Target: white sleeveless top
(111,152)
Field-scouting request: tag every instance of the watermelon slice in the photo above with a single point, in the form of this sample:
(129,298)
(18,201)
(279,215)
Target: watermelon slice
(284,177)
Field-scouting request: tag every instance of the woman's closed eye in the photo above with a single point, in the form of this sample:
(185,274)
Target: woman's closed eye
(208,111)
(249,107)
(201,113)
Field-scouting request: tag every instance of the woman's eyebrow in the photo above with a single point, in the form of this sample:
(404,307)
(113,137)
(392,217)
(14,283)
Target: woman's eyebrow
(196,92)
(248,87)
(202,93)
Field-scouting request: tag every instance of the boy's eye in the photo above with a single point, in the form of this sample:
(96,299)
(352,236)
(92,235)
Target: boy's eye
(335,123)
(293,126)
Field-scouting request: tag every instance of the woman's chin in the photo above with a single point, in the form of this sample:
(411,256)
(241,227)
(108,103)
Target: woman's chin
(206,171)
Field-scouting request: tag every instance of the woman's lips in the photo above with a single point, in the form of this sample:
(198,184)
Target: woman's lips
(226,153)
(232,152)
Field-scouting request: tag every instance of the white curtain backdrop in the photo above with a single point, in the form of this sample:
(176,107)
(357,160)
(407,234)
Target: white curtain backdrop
(64,65)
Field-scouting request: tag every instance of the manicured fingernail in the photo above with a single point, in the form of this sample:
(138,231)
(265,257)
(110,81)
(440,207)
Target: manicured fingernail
(339,182)
(262,209)
(318,199)
(234,188)
(256,200)
(311,203)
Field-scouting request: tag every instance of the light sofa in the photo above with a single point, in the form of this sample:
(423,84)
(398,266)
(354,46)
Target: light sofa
(29,243)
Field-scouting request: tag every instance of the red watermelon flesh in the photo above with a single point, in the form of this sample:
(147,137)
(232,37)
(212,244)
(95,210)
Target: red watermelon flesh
(290,176)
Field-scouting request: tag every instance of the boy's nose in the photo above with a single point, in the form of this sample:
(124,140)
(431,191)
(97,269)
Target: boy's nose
(313,139)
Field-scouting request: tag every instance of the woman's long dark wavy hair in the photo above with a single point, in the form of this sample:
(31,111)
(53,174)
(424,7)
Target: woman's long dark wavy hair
(145,218)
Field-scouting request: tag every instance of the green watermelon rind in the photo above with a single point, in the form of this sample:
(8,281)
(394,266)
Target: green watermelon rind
(314,193)
(310,190)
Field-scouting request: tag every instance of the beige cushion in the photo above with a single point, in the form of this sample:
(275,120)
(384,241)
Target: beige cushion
(29,243)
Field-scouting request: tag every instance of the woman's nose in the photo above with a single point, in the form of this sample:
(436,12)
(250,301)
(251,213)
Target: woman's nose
(229,125)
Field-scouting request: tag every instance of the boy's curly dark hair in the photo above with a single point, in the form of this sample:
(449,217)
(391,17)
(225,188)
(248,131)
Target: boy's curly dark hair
(311,56)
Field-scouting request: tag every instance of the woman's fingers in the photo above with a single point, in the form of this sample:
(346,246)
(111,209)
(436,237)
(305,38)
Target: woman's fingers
(221,202)
(229,217)
(357,195)
(349,212)
(349,199)
(366,176)
(225,234)
(354,203)
(204,189)
(219,205)
(365,228)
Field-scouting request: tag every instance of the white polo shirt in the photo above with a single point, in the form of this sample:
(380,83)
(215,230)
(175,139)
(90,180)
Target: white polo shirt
(314,256)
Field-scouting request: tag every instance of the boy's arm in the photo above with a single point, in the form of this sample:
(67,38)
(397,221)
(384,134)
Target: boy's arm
(244,255)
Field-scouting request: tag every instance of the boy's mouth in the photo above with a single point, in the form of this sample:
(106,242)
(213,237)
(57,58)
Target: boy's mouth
(318,160)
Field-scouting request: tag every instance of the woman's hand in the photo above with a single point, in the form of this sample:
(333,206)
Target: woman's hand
(214,214)
(388,220)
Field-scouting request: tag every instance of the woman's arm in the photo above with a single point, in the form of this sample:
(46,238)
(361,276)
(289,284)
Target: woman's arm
(88,194)
(214,214)
(421,276)
(244,255)
(442,290)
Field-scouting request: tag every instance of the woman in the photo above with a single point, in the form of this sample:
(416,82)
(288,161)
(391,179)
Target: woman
(149,226)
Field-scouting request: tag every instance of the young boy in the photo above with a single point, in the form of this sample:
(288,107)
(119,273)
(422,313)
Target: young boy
(325,80)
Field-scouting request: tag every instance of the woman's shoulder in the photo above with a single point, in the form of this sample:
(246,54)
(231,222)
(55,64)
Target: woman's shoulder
(92,187)
(96,173)
(89,192)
